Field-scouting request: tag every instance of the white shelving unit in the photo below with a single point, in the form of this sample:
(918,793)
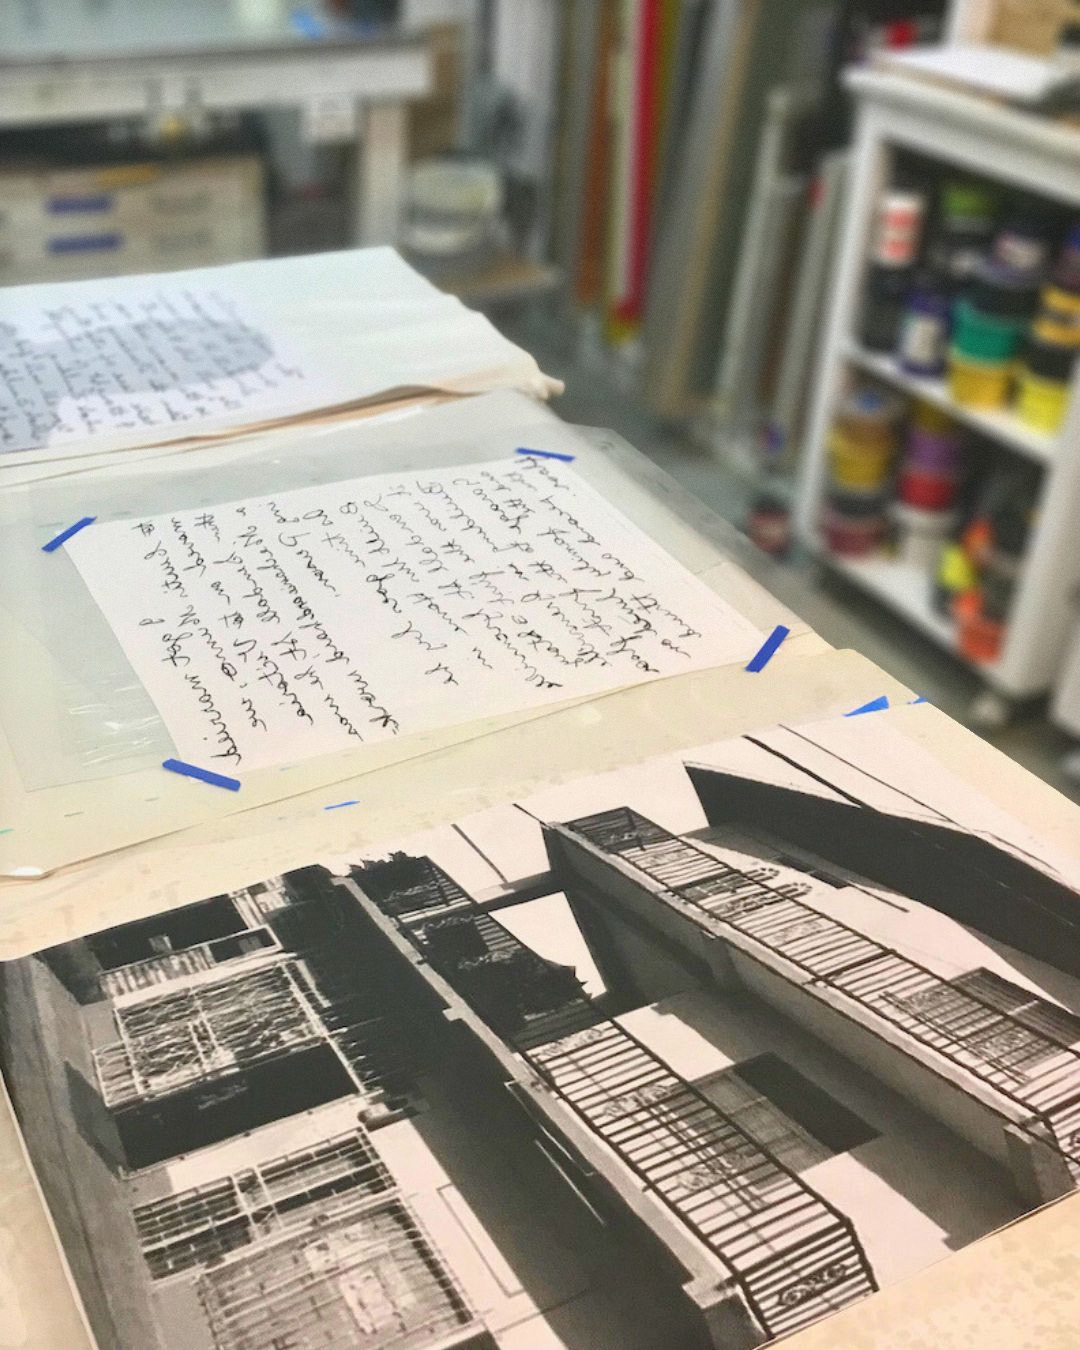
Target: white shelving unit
(1023,151)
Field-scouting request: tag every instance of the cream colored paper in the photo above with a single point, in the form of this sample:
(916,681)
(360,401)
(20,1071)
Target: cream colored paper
(152,358)
(451,779)
(352,327)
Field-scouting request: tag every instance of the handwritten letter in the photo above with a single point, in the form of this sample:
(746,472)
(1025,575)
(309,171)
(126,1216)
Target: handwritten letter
(277,628)
(145,358)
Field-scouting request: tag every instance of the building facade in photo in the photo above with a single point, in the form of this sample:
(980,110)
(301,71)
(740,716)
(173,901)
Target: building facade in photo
(806,1077)
(223,1070)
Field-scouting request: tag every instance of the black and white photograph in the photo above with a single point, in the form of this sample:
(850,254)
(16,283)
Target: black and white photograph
(692,1054)
(539,674)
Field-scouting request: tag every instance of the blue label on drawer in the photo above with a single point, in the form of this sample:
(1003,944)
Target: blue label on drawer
(59,206)
(85,243)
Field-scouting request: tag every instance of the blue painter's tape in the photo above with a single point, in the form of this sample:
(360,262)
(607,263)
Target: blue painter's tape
(65,535)
(545,454)
(920,699)
(203,775)
(875,705)
(768,649)
(338,805)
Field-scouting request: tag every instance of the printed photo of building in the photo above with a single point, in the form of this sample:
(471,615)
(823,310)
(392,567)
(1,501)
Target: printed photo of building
(690,1055)
(205,1085)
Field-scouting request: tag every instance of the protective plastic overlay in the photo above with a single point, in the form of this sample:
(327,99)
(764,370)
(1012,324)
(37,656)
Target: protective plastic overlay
(71,706)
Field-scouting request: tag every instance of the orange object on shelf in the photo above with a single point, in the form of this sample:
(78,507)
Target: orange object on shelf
(977,637)
(978,540)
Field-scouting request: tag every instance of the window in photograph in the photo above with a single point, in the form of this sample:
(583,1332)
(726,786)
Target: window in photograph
(784,1112)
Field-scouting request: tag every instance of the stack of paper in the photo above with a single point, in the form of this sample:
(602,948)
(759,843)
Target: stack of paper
(96,366)
(417,832)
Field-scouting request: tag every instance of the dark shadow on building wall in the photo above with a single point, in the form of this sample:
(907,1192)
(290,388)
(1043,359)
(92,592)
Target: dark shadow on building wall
(93,1120)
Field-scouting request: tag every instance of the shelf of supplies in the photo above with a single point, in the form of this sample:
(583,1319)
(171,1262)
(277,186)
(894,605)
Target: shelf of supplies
(907,590)
(1004,427)
(903,587)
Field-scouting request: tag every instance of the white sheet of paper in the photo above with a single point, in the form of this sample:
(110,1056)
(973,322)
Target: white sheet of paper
(153,357)
(277,628)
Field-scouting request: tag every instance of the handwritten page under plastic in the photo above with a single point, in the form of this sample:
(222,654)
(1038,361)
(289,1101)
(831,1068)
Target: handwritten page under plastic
(151,357)
(278,628)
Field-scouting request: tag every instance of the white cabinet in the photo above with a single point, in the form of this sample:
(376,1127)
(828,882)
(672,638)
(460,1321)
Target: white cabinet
(1023,151)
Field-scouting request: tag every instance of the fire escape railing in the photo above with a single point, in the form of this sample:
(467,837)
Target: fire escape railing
(1033,1068)
(794,1255)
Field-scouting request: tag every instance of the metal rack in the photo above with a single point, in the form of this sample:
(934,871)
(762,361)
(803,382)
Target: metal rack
(72,62)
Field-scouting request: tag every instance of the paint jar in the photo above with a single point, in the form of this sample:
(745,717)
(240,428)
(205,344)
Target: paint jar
(1022,247)
(893,251)
(954,573)
(1060,306)
(863,440)
(927,491)
(979,638)
(1002,561)
(898,227)
(934,451)
(870,413)
(965,231)
(979,384)
(853,536)
(1042,404)
(924,331)
(921,535)
(985,336)
(860,465)
(768,523)
(1045,377)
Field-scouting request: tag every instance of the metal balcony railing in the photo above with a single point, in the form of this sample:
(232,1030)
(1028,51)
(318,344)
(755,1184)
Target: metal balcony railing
(196,1034)
(795,1257)
(478,956)
(1022,1057)
(176,965)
